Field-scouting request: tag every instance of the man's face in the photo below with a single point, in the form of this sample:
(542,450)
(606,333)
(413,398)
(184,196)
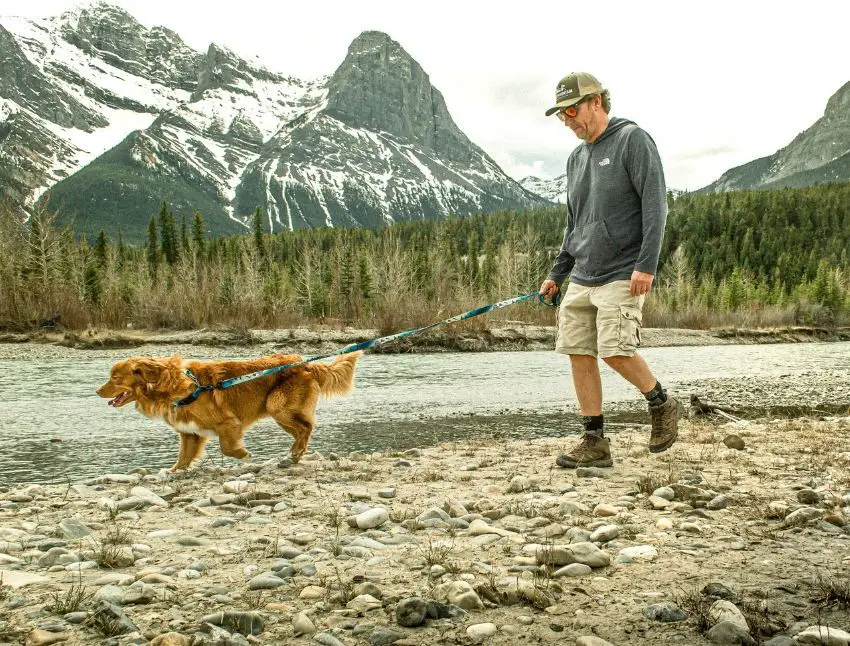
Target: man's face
(585,121)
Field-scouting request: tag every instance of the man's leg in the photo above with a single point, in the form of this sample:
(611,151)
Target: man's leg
(634,370)
(620,317)
(577,338)
(588,384)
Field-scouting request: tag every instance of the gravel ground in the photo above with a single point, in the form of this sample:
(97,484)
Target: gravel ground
(738,534)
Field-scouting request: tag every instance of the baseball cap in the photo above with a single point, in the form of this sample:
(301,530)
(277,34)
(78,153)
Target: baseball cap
(572,88)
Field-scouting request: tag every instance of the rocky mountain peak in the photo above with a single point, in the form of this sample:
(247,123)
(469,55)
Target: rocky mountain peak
(821,153)
(379,86)
(24,83)
(369,41)
(839,103)
(222,68)
(109,33)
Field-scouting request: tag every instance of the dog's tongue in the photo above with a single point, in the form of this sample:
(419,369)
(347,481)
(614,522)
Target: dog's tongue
(116,400)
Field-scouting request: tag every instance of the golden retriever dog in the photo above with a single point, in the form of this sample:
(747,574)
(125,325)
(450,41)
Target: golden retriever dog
(289,397)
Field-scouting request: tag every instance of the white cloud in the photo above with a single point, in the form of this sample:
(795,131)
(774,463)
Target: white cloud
(716,84)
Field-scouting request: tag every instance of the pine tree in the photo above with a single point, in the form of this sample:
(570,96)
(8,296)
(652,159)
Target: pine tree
(472,261)
(92,287)
(365,276)
(169,235)
(153,248)
(184,238)
(346,275)
(489,268)
(101,250)
(259,243)
(121,252)
(198,240)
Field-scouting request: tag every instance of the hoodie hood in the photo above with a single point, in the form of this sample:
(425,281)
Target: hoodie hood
(614,125)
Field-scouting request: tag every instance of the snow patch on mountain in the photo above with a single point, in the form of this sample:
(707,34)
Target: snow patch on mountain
(554,190)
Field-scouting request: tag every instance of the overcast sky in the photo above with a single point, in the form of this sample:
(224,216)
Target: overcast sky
(716,83)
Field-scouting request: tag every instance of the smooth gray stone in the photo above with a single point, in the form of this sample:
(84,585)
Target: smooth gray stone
(73,529)
(265,581)
(729,634)
(780,640)
(719,591)
(410,612)
(247,623)
(326,639)
(666,611)
(440,610)
(590,472)
(382,636)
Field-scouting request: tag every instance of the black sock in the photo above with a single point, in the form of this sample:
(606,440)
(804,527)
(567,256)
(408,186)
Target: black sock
(593,424)
(657,395)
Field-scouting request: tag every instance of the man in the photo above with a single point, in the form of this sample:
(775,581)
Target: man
(616,212)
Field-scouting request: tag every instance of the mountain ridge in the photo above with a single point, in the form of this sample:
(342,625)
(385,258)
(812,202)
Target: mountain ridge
(144,118)
(821,153)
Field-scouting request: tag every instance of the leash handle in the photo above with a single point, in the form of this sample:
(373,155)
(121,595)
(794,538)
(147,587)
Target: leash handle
(555,301)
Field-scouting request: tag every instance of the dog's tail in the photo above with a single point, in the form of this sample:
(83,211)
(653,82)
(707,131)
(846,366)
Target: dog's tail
(336,378)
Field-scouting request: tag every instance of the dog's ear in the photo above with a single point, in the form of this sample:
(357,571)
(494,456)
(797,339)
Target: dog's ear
(159,375)
(148,371)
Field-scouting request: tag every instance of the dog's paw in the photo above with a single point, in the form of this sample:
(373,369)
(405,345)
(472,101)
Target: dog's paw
(246,458)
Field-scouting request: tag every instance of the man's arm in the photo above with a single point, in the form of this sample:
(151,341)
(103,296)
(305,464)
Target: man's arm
(647,177)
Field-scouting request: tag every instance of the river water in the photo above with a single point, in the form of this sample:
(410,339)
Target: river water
(54,428)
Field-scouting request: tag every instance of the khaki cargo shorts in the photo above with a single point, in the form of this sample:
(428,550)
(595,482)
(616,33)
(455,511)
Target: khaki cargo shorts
(602,321)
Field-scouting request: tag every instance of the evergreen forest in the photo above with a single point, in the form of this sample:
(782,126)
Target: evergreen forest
(739,259)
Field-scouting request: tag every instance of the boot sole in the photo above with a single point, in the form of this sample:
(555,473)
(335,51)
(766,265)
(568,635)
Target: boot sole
(568,464)
(663,447)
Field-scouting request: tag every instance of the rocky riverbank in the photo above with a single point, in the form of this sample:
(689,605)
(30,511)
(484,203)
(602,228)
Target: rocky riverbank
(737,535)
(456,338)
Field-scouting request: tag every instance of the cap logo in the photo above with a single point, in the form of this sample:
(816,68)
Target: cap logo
(564,92)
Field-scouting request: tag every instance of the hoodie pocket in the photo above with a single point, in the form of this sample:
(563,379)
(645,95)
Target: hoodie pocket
(593,248)
(631,321)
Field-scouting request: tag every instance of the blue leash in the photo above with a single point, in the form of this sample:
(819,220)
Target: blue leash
(363,345)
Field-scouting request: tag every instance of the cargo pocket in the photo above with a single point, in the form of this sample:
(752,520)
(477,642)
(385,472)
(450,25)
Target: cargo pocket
(631,320)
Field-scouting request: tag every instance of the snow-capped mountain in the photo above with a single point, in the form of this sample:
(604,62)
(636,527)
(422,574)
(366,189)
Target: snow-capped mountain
(554,190)
(105,119)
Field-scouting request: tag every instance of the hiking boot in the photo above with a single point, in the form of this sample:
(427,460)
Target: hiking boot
(592,451)
(665,425)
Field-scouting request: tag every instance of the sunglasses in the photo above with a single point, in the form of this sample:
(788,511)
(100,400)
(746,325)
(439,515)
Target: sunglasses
(572,111)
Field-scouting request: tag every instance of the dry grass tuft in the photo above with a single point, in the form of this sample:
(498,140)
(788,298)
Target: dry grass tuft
(117,535)
(436,552)
(72,600)
(696,605)
(648,483)
(833,591)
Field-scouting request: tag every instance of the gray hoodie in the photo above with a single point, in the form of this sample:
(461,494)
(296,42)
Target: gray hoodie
(616,208)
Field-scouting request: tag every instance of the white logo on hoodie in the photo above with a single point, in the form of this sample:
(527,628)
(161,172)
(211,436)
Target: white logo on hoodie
(605,162)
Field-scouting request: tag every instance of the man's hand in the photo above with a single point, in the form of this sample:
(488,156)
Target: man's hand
(641,283)
(548,289)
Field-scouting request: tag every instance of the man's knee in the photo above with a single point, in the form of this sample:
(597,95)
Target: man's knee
(581,357)
(617,360)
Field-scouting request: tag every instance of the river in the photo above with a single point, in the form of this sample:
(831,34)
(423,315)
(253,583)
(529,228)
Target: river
(54,428)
